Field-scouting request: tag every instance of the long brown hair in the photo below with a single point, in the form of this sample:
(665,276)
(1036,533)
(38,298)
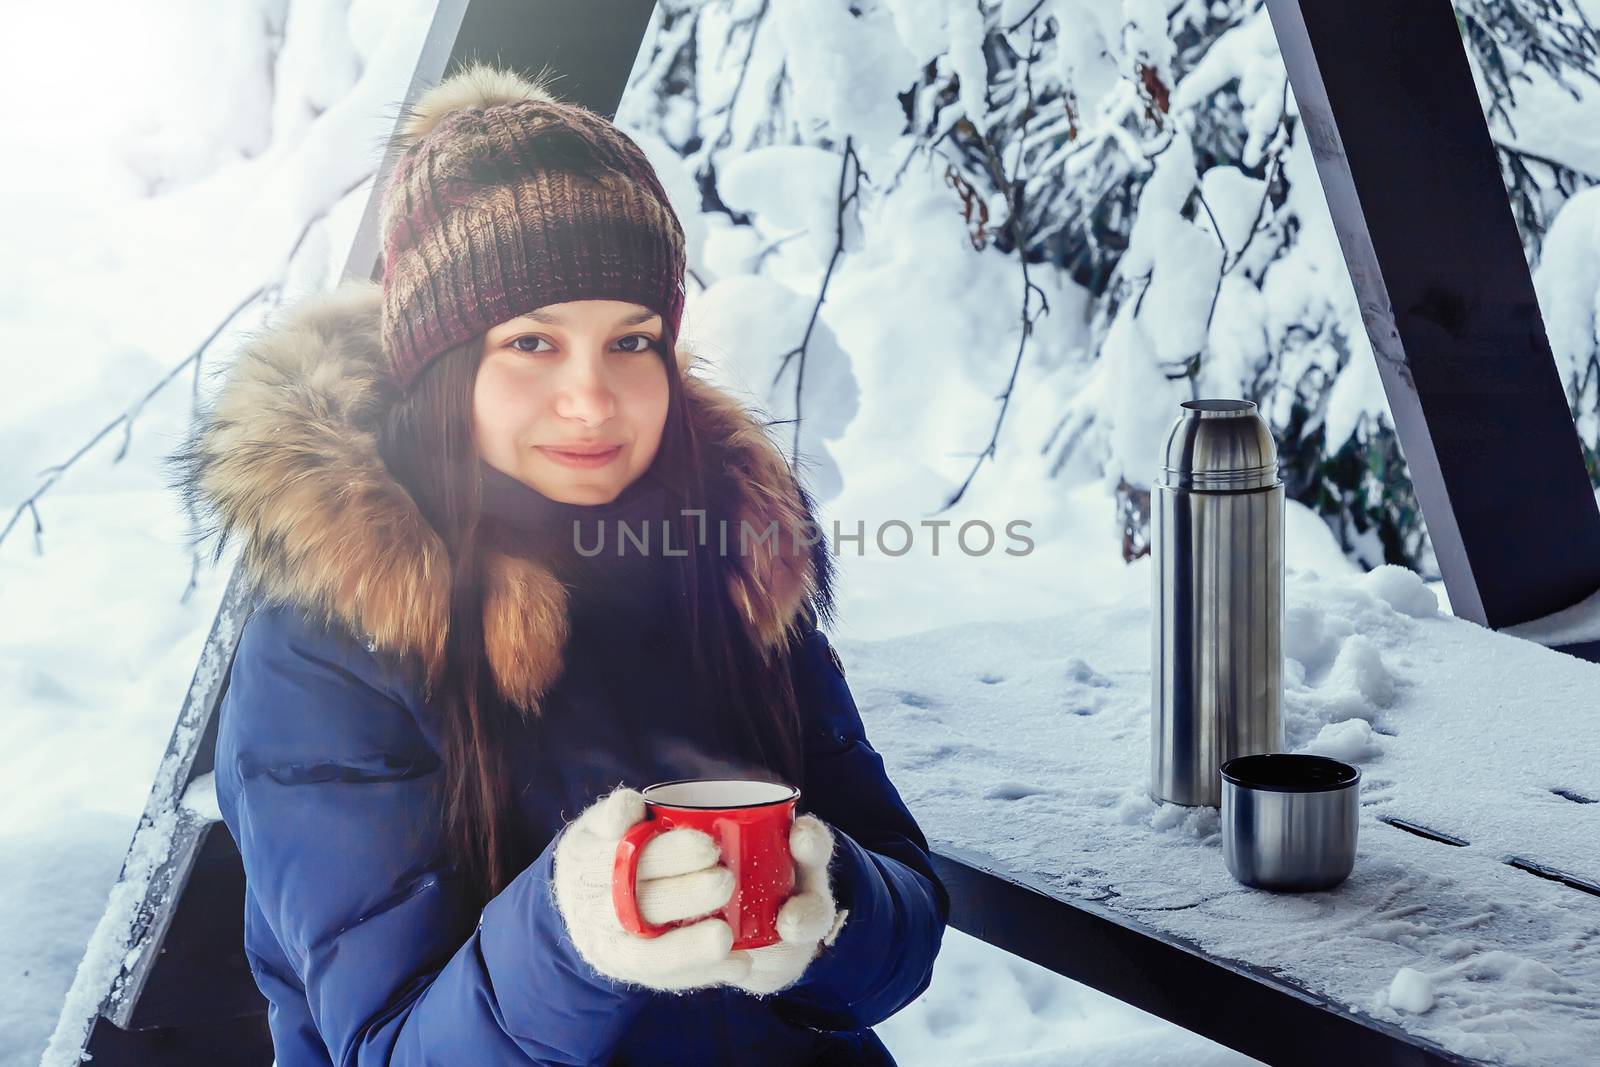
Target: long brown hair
(427,442)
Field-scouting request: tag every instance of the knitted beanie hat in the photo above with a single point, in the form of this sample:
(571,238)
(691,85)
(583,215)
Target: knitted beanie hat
(502,199)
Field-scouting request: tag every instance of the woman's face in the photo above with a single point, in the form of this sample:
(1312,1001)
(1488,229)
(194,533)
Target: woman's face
(581,375)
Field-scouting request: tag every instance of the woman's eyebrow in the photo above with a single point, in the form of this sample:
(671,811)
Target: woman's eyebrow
(559,320)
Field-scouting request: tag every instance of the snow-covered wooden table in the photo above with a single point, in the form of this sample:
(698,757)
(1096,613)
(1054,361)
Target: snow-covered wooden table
(1023,749)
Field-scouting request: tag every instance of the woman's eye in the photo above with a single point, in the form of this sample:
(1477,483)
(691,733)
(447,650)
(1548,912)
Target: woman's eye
(640,342)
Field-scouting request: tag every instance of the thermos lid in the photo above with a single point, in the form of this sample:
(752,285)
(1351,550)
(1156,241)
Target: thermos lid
(1220,445)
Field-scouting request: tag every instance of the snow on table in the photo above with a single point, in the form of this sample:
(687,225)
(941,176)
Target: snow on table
(1028,743)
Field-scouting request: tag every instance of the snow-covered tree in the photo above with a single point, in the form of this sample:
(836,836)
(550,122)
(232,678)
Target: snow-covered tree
(1144,156)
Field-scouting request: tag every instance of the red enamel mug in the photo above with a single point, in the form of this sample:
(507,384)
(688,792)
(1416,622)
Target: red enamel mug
(749,821)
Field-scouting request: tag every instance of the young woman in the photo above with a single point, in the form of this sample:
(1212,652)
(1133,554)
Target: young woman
(443,704)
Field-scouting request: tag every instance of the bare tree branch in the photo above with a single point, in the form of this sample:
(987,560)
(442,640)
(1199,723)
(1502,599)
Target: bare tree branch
(1014,197)
(53,473)
(725,138)
(125,421)
(849,171)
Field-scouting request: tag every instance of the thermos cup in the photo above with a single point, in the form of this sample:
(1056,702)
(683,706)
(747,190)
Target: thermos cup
(1217,588)
(1290,820)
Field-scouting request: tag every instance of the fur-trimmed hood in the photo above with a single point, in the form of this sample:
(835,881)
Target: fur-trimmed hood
(287,458)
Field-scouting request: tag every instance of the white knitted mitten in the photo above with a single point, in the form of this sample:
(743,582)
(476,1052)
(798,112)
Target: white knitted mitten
(679,877)
(807,921)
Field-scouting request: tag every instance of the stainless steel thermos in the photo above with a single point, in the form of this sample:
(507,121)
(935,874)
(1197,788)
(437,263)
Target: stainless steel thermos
(1216,538)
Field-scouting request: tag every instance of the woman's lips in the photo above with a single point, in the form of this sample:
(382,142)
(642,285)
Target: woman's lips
(581,459)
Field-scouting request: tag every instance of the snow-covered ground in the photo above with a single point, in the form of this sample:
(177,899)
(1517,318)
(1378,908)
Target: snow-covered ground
(166,201)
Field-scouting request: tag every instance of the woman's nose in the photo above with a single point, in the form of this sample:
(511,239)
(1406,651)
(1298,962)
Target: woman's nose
(584,390)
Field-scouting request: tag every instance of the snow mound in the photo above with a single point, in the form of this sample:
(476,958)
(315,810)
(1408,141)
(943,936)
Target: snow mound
(1351,741)
(1411,991)
(1404,590)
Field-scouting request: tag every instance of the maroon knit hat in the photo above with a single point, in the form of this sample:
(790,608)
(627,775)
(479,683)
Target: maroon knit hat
(502,199)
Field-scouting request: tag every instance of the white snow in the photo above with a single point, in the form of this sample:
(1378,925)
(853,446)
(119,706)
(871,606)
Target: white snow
(790,190)
(1402,590)
(1351,740)
(1552,120)
(1411,991)
(1235,199)
(201,797)
(107,951)
(1569,626)
(970,1016)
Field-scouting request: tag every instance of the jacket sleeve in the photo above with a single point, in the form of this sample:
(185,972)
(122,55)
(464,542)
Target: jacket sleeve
(884,954)
(326,779)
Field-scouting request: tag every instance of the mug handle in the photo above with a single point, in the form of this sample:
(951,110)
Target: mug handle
(623,875)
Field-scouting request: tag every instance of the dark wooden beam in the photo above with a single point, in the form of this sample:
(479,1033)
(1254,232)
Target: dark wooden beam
(1241,1005)
(1411,178)
(245,1042)
(210,908)
(591,50)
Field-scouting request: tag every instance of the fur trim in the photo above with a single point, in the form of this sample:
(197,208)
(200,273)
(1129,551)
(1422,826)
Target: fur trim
(288,458)
(477,85)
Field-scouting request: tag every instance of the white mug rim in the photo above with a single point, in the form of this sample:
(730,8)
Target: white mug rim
(792,794)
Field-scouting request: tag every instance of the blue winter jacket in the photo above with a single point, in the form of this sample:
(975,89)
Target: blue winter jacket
(363,944)
(357,928)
